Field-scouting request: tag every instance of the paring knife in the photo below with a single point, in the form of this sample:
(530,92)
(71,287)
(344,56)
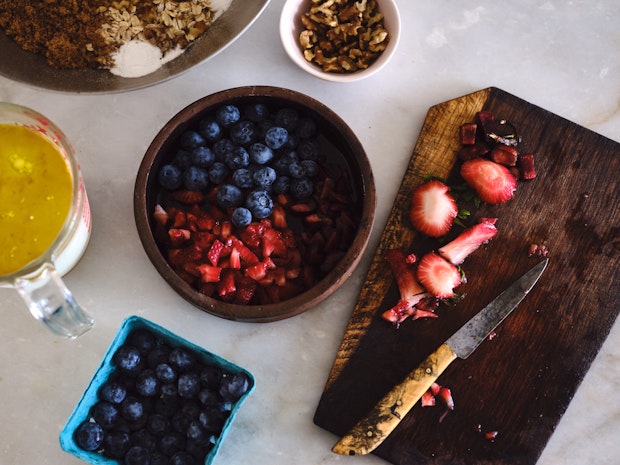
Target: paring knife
(372,430)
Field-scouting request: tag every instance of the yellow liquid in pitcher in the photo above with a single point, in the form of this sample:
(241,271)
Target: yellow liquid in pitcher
(36,189)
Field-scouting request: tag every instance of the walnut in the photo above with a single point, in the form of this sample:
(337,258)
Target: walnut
(343,36)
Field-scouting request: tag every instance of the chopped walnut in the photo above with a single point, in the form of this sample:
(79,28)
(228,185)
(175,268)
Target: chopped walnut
(343,36)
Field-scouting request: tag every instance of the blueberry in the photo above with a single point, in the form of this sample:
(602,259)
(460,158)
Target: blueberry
(234,386)
(202,157)
(182,159)
(127,358)
(169,389)
(142,340)
(158,355)
(195,179)
(147,384)
(182,458)
(170,177)
(260,153)
(158,458)
(288,118)
(218,173)
(181,359)
(310,167)
(276,137)
(113,392)
(196,433)
(132,409)
(167,404)
(283,162)
(301,188)
(291,142)
(259,203)
(210,129)
(144,438)
(208,397)
(297,170)
(241,217)
(308,149)
(256,112)
(238,158)
(116,444)
(212,419)
(222,148)
(306,128)
(243,132)
(137,455)
(211,376)
(264,177)
(158,424)
(105,414)
(281,185)
(191,139)
(262,127)
(227,115)
(88,436)
(188,385)
(165,373)
(242,178)
(229,196)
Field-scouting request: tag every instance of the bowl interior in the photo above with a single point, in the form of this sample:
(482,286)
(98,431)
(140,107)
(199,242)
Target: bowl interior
(336,132)
(32,69)
(291,26)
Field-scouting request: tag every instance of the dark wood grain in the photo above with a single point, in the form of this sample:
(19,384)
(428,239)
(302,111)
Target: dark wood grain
(521,382)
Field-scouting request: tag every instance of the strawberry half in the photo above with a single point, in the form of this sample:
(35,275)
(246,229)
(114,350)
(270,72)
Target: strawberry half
(438,276)
(492,182)
(433,209)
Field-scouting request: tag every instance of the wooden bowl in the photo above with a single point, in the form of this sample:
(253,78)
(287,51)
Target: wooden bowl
(334,131)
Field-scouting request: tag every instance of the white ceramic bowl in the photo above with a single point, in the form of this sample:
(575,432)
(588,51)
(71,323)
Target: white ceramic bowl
(291,26)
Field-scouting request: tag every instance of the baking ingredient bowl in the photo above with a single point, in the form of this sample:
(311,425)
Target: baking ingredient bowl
(155,396)
(340,43)
(255,203)
(33,69)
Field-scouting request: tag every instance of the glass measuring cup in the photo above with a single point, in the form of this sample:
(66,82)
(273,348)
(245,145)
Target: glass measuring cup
(38,280)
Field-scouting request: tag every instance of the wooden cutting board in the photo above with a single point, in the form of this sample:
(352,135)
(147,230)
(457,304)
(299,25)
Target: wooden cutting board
(520,382)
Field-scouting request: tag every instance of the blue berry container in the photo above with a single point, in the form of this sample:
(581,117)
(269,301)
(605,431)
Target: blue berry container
(90,397)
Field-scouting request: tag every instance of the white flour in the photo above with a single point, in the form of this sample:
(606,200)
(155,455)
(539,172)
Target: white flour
(137,58)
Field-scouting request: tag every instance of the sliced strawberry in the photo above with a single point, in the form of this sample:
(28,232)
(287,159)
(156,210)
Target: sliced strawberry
(227,285)
(438,276)
(215,251)
(246,288)
(526,163)
(178,236)
(433,208)
(246,256)
(469,240)
(209,273)
(161,216)
(492,182)
(188,197)
(411,292)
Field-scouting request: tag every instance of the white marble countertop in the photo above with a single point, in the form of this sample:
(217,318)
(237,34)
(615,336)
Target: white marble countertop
(562,56)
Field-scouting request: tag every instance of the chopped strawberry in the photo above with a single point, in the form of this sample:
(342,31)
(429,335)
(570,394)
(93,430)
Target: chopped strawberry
(505,154)
(161,216)
(278,217)
(215,251)
(467,133)
(411,292)
(468,241)
(438,276)
(188,197)
(226,286)
(492,182)
(433,208)
(209,273)
(178,236)
(445,395)
(246,256)
(246,288)
(526,163)
(427,399)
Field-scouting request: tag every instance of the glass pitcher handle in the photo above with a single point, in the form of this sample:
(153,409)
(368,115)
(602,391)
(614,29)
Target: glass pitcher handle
(51,302)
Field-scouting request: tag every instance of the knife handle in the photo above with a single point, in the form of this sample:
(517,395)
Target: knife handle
(372,430)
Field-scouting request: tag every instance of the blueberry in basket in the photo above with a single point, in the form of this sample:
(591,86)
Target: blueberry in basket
(255,206)
(156,399)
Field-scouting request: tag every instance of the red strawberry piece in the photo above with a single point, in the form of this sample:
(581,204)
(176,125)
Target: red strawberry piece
(161,216)
(427,399)
(445,395)
(178,236)
(215,251)
(227,286)
(179,219)
(411,292)
(278,216)
(467,133)
(209,273)
(504,154)
(457,250)
(433,208)
(526,163)
(246,256)
(438,276)
(246,288)
(234,260)
(188,197)
(492,182)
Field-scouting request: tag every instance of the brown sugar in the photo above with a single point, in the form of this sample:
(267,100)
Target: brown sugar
(84,33)
(57,29)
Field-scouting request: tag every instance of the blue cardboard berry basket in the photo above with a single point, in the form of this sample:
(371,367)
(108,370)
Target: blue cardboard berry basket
(106,368)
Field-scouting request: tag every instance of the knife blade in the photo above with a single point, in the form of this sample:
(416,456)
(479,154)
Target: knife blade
(385,416)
